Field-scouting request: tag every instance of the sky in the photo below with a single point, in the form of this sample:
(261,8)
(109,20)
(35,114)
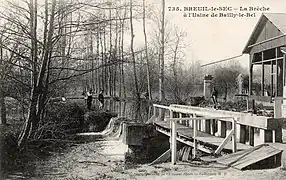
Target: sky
(212,39)
(216,38)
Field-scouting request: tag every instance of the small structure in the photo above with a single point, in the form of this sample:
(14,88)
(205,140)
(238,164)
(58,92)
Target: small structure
(266,49)
(239,81)
(208,86)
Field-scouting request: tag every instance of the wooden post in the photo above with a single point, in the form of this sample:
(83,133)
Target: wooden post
(221,128)
(284,67)
(277,108)
(191,123)
(212,126)
(247,103)
(271,80)
(195,135)
(180,116)
(234,134)
(242,133)
(208,126)
(262,74)
(173,139)
(154,111)
(251,136)
(273,136)
(250,73)
(276,76)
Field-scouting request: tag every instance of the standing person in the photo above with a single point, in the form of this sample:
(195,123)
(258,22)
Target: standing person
(214,97)
(89,99)
(101,99)
(84,96)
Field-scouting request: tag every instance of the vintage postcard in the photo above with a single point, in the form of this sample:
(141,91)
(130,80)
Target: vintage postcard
(142,89)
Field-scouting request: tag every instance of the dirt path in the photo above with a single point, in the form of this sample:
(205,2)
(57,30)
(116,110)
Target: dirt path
(105,160)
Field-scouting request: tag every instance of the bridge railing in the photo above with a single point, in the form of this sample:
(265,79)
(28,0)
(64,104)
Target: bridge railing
(194,119)
(253,129)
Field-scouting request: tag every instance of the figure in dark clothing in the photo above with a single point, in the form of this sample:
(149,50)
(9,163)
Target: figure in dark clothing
(101,99)
(214,97)
(84,96)
(89,99)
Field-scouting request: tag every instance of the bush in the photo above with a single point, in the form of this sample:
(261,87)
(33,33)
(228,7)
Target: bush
(61,120)
(8,148)
(97,121)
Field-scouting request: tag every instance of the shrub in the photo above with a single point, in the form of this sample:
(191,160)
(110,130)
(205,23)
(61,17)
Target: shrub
(61,120)
(97,121)
(8,147)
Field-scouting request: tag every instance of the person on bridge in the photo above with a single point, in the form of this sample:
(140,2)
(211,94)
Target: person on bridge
(89,99)
(101,99)
(214,97)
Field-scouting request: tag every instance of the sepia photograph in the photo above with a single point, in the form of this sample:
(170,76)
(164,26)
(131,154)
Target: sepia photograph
(142,89)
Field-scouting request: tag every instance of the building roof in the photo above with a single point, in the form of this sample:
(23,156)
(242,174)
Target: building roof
(277,19)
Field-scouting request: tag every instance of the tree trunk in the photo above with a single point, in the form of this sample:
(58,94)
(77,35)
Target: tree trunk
(137,95)
(161,77)
(110,55)
(26,131)
(97,64)
(105,59)
(3,119)
(176,91)
(122,53)
(33,119)
(146,52)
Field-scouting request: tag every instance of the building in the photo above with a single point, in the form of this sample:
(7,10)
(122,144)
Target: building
(266,48)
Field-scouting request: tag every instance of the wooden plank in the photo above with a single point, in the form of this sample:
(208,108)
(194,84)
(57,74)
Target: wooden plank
(259,155)
(224,142)
(225,118)
(231,158)
(202,137)
(244,118)
(243,159)
(186,153)
(151,120)
(163,158)
(181,152)
(187,142)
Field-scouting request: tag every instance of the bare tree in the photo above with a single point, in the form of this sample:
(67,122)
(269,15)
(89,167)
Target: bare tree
(176,52)
(37,100)
(146,51)
(137,94)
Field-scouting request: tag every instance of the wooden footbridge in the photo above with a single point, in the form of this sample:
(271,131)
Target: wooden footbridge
(214,131)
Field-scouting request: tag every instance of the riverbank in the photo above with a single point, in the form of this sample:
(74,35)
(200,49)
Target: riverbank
(104,159)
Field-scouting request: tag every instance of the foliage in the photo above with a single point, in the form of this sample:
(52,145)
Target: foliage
(225,80)
(96,121)
(8,147)
(61,121)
